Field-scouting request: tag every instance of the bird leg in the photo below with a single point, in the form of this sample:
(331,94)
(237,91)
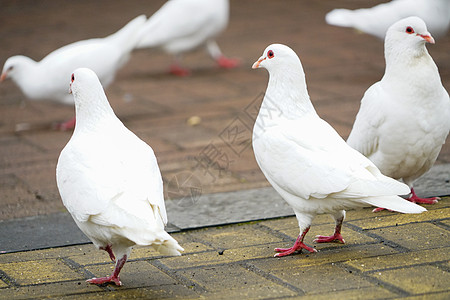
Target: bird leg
(114,278)
(415,199)
(298,246)
(336,237)
(227,63)
(110,252)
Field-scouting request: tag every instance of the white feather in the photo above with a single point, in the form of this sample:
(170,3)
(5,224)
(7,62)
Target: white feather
(304,158)
(376,20)
(183,25)
(109,179)
(404,119)
(47,79)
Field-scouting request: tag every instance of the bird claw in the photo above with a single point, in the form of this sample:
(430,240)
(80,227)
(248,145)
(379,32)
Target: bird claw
(288,251)
(104,280)
(417,200)
(335,238)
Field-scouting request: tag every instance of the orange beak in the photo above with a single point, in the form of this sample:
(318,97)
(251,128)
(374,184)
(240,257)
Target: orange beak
(257,63)
(427,38)
(3,76)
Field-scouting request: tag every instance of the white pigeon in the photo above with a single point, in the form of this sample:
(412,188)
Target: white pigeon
(181,26)
(47,79)
(376,20)
(405,118)
(305,159)
(109,180)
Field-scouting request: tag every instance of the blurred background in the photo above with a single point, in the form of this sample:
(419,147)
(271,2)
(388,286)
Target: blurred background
(199,126)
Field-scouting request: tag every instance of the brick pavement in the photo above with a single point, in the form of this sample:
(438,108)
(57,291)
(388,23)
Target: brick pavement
(387,256)
(339,63)
(381,259)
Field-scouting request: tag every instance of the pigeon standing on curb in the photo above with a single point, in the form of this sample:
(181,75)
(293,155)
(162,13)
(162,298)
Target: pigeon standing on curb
(404,119)
(47,79)
(181,26)
(305,159)
(376,20)
(109,180)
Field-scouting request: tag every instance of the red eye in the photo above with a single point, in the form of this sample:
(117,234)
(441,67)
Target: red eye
(409,30)
(270,54)
(73,77)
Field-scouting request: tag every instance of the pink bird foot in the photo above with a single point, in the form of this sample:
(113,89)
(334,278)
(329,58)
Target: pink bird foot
(227,63)
(380,209)
(179,71)
(298,246)
(335,238)
(413,198)
(114,278)
(103,280)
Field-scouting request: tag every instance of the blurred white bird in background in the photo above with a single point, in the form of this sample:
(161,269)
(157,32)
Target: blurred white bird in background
(47,79)
(109,180)
(404,119)
(376,20)
(305,159)
(180,26)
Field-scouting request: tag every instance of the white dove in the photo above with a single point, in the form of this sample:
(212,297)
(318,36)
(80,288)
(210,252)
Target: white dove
(180,26)
(47,79)
(305,159)
(376,20)
(405,118)
(109,180)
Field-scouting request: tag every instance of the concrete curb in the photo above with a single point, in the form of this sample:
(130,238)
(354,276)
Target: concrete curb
(56,230)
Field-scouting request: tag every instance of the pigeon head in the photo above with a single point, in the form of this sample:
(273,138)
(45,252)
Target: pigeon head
(278,57)
(90,99)
(83,81)
(409,32)
(14,66)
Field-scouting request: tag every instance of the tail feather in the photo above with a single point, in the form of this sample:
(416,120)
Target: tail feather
(395,203)
(159,240)
(129,34)
(339,17)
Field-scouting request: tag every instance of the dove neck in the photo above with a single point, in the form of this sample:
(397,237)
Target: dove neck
(26,76)
(408,68)
(287,92)
(400,57)
(92,110)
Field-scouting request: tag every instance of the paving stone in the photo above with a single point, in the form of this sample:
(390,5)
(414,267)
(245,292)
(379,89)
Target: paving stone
(325,256)
(400,219)
(416,279)
(155,292)
(49,290)
(416,236)
(39,271)
(238,236)
(235,281)
(3,284)
(219,257)
(353,294)
(134,274)
(42,254)
(400,260)
(319,279)
(351,237)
